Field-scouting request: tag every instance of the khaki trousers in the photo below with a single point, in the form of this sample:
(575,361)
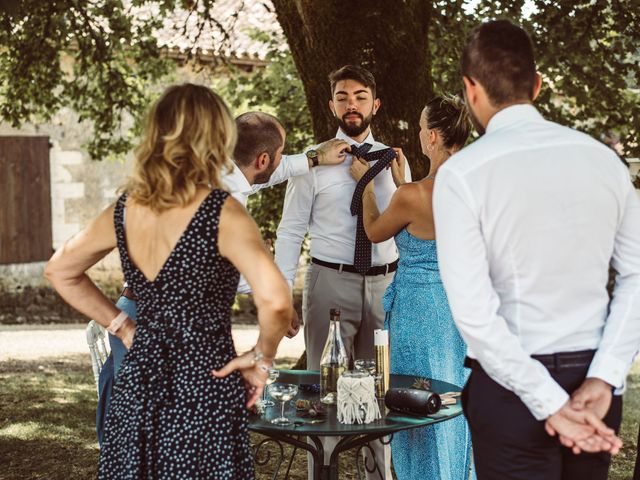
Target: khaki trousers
(359,299)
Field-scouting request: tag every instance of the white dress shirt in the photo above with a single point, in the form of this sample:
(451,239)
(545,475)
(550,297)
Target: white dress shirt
(528,219)
(240,188)
(319,203)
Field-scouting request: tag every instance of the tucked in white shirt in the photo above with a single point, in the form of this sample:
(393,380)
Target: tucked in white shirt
(528,219)
(239,187)
(319,203)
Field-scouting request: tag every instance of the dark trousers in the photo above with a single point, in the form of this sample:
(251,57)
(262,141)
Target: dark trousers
(510,444)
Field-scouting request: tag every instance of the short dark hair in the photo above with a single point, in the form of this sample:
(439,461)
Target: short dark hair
(448,114)
(499,55)
(353,72)
(258,132)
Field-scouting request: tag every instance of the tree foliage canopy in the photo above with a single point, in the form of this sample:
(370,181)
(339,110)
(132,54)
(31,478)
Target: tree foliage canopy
(279,88)
(110,61)
(587,52)
(589,55)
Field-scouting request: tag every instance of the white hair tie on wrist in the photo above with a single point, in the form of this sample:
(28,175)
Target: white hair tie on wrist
(117,323)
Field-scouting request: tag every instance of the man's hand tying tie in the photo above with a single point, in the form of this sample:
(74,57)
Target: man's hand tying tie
(332,152)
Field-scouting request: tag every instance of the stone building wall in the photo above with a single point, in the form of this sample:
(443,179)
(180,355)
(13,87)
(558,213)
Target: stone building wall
(80,189)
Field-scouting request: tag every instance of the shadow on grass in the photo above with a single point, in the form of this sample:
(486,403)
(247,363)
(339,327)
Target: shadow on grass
(47,419)
(50,459)
(623,463)
(47,424)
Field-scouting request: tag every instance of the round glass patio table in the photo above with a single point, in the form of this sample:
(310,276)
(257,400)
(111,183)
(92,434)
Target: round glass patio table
(353,436)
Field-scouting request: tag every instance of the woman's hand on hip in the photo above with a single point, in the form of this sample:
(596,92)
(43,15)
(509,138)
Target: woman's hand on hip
(254,374)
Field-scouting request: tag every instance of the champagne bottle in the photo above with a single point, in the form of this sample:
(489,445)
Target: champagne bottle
(334,360)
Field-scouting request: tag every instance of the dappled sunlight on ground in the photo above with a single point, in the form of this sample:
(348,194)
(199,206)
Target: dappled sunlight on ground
(47,423)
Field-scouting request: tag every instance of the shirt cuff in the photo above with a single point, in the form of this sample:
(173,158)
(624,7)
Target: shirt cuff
(608,368)
(547,400)
(299,164)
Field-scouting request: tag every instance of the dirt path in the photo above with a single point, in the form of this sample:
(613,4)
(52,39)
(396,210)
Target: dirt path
(31,342)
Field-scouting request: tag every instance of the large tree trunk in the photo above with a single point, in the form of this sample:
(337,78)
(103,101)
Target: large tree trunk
(387,37)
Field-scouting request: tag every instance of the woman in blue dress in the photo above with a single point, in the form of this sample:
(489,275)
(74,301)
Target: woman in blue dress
(424,339)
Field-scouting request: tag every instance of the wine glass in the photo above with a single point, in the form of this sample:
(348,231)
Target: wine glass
(283,392)
(273,376)
(366,365)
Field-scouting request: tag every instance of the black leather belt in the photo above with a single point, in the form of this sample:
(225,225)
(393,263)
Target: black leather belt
(554,361)
(343,267)
(128,293)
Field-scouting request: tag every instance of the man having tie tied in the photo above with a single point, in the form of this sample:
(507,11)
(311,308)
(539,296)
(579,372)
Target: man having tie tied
(346,271)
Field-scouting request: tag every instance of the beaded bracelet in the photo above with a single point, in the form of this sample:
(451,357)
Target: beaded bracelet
(257,359)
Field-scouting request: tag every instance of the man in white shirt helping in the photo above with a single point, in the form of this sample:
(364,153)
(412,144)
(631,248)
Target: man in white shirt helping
(529,218)
(319,204)
(259,160)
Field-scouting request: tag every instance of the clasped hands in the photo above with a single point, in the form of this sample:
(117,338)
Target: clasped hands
(579,424)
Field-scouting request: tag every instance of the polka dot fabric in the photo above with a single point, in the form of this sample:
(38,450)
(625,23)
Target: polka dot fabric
(169,418)
(362,253)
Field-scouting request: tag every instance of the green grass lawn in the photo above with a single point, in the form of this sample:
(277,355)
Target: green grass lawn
(47,418)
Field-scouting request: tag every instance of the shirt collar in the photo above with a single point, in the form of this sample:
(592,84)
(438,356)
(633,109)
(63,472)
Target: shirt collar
(513,114)
(343,136)
(236,182)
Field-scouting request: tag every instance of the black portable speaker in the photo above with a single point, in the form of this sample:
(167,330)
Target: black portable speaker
(412,400)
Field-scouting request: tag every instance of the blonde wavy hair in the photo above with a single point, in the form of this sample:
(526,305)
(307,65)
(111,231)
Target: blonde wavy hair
(188,140)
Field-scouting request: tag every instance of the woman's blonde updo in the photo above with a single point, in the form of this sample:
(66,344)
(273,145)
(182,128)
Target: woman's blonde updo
(448,114)
(188,140)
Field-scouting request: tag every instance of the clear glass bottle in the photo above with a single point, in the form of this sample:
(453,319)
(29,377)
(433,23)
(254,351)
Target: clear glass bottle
(334,360)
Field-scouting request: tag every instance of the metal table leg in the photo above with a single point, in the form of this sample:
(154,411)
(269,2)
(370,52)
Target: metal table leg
(320,470)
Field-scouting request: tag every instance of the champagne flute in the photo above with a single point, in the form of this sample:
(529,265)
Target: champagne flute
(283,392)
(273,376)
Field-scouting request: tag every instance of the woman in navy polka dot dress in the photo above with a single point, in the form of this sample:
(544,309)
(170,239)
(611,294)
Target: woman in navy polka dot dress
(179,408)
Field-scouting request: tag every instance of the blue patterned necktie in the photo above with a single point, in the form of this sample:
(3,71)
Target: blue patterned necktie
(362,255)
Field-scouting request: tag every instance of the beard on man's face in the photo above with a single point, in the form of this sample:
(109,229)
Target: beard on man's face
(351,128)
(474,120)
(265,176)
(476,123)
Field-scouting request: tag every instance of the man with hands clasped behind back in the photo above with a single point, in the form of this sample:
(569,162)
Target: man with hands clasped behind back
(528,218)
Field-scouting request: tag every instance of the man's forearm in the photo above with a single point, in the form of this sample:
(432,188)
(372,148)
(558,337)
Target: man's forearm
(621,336)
